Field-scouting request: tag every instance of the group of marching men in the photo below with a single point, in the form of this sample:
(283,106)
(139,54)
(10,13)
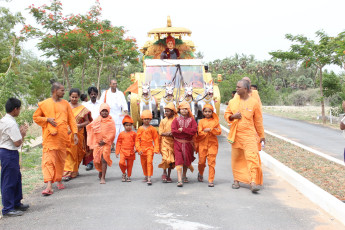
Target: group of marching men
(73,132)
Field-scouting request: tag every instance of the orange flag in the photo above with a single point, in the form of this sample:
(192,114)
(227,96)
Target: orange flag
(132,88)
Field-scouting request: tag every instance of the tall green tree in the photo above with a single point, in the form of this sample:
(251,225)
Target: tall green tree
(311,53)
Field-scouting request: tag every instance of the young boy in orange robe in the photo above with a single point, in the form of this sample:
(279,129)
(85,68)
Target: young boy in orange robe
(125,147)
(167,142)
(100,136)
(143,143)
(208,129)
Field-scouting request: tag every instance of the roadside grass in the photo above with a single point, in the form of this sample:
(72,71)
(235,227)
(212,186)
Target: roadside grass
(320,171)
(303,113)
(31,170)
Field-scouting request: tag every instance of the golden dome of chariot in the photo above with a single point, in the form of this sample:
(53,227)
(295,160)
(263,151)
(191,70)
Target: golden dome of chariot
(169,30)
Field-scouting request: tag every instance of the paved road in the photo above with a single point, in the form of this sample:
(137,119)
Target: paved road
(85,204)
(327,140)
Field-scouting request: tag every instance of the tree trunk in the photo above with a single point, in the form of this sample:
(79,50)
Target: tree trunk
(83,71)
(322,99)
(100,69)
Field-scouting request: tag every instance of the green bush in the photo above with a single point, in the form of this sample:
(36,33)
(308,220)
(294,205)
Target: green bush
(304,97)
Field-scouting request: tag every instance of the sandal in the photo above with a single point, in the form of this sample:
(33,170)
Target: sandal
(185,180)
(128,179)
(169,180)
(253,187)
(235,185)
(179,184)
(66,178)
(149,182)
(60,186)
(124,177)
(164,178)
(145,179)
(47,192)
(200,178)
(210,184)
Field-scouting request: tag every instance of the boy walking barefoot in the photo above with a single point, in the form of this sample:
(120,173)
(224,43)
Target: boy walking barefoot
(11,138)
(125,147)
(183,128)
(167,142)
(208,129)
(143,143)
(101,134)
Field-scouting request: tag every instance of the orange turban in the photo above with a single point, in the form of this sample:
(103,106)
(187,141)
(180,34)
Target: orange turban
(104,106)
(147,114)
(127,119)
(214,115)
(171,106)
(185,105)
(170,39)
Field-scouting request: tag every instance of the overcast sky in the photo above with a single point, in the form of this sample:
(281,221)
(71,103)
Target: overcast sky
(219,28)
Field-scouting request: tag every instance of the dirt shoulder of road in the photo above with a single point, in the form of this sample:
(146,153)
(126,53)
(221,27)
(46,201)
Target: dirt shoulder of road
(326,174)
(310,114)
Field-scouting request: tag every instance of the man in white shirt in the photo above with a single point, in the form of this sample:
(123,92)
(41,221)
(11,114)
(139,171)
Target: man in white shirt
(93,105)
(118,105)
(11,138)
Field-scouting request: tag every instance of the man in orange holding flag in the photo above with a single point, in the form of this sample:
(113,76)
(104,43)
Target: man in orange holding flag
(100,136)
(245,116)
(54,115)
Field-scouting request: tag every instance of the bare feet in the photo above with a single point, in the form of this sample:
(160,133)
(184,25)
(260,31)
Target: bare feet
(102,181)
(100,175)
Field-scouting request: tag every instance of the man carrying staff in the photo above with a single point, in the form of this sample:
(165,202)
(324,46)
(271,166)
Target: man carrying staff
(245,116)
(54,115)
(117,102)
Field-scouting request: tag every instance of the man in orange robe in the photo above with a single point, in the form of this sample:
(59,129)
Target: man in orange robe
(147,135)
(167,142)
(54,115)
(208,130)
(125,147)
(100,136)
(245,116)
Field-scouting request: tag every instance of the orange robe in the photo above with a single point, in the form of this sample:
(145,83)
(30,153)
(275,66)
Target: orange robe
(208,145)
(166,144)
(101,129)
(125,147)
(76,153)
(245,158)
(143,143)
(55,139)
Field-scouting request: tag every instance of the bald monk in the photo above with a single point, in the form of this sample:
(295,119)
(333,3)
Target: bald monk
(167,142)
(147,143)
(100,136)
(245,116)
(125,147)
(54,115)
(183,129)
(208,130)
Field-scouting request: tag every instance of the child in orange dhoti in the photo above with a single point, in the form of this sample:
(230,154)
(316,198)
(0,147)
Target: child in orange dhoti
(125,147)
(167,142)
(143,143)
(208,129)
(100,136)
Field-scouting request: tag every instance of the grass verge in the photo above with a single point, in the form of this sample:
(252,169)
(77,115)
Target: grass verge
(324,173)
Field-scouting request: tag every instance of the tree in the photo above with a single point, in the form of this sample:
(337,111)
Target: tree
(9,48)
(311,53)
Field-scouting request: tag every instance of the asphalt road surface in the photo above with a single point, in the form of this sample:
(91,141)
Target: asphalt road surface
(86,204)
(326,140)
